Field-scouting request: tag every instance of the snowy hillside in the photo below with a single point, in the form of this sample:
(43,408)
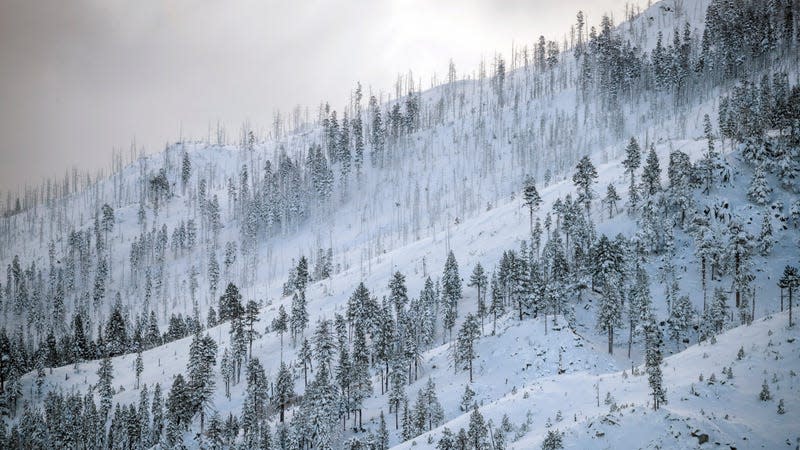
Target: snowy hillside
(495,262)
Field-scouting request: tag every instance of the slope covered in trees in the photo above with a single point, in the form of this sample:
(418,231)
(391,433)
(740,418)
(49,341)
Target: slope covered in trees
(626,193)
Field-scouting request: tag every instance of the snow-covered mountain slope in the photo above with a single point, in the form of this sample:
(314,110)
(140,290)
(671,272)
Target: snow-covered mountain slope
(703,400)
(521,357)
(453,181)
(474,150)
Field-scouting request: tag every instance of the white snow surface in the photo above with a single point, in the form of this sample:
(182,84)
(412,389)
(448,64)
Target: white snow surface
(473,206)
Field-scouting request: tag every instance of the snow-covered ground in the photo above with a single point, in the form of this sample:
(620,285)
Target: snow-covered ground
(456,186)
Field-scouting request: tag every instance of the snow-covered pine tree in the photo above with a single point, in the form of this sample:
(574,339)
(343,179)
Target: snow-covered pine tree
(202,359)
(256,397)
(651,174)
(157,413)
(759,191)
(226,370)
(465,347)
(531,197)
(496,307)
(324,344)
(451,292)
(554,440)
(398,294)
(139,367)
(611,199)
(250,318)
(284,389)
(361,377)
(765,240)
(632,161)
(305,356)
(397,381)
(681,318)
(653,359)
(299,318)
(186,171)
(280,325)
(478,280)
(382,436)
(585,175)
(478,432)
(105,374)
(790,280)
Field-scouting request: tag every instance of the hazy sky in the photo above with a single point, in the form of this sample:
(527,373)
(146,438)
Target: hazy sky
(81,77)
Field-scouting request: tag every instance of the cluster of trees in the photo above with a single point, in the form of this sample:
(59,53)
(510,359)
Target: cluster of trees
(738,38)
(564,257)
(479,435)
(764,119)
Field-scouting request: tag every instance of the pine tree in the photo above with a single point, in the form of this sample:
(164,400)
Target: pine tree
(759,191)
(319,410)
(765,239)
(299,319)
(710,162)
(280,325)
(719,309)
(478,433)
(383,434)
(639,302)
(250,319)
(157,412)
(323,344)
(408,432)
(226,369)
(679,173)
(553,440)
(202,358)
(179,405)
(611,199)
(465,346)
(144,417)
(105,374)
(467,398)
(397,381)
(139,368)
(651,174)
(496,308)
(478,280)
(186,170)
(284,389)
(609,314)
(653,358)
(230,304)
(451,291)
(764,395)
(739,251)
(531,197)
(397,292)
(447,441)
(790,280)
(585,175)
(434,413)
(681,318)
(632,161)
(256,397)
(305,355)
(213,277)
(116,330)
(361,377)
(301,275)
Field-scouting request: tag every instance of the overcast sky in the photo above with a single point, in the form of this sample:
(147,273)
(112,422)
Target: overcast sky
(79,78)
